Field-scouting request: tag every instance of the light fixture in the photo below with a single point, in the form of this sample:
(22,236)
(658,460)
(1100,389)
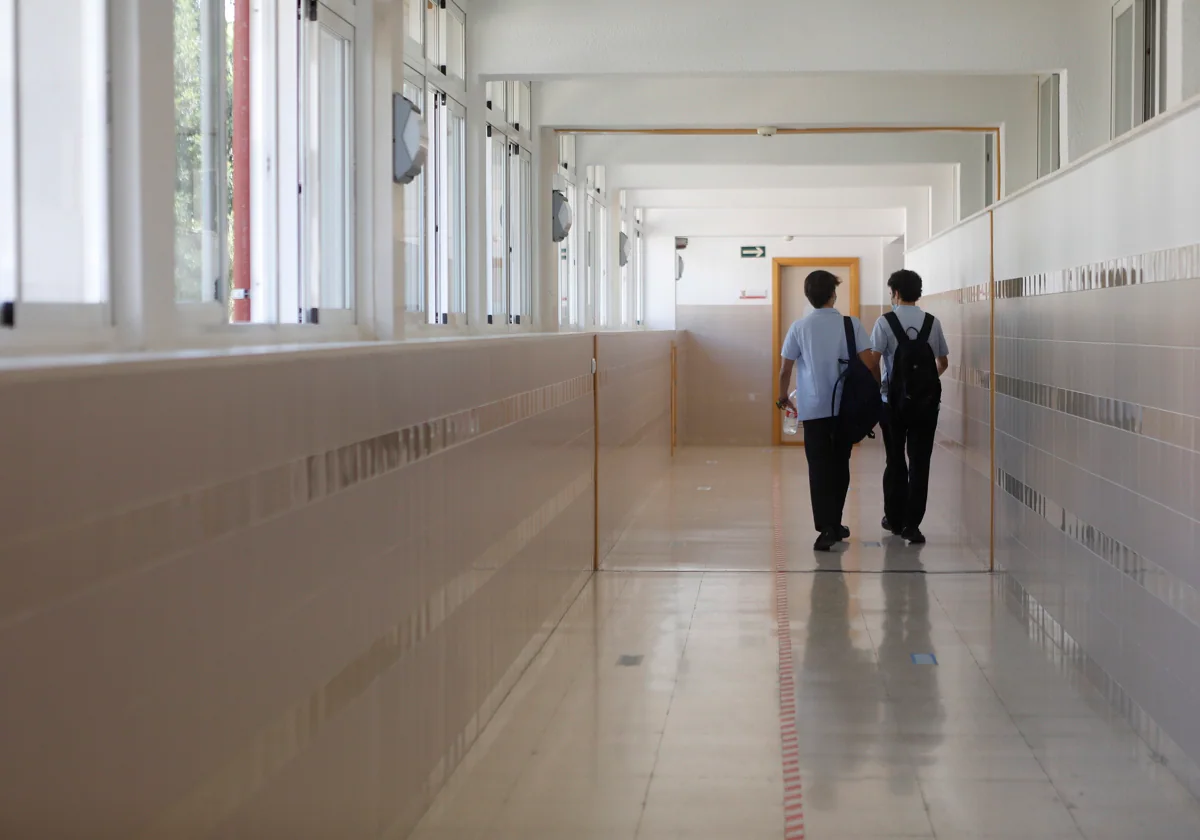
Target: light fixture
(562,217)
(410,140)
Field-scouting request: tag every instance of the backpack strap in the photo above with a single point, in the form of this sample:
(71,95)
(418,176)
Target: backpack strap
(851,344)
(926,328)
(897,328)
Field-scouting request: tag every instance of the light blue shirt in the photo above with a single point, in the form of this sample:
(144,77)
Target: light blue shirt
(817,344)
(884,341)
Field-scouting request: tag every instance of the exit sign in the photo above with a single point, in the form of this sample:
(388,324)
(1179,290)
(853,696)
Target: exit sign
(754,252)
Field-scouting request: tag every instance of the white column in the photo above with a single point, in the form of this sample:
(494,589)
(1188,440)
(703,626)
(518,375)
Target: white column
(143,170)
(387,199)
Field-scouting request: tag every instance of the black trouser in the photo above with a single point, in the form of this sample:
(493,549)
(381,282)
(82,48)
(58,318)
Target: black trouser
(906,482)
(828,472)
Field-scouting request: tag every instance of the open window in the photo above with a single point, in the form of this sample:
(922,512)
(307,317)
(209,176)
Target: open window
(509,198)
(445,285)
(1049,155)
(327,177)
(55,277)
(1137,34)
(414,212)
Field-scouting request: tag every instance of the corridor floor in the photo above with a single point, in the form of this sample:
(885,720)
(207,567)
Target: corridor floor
(654,710)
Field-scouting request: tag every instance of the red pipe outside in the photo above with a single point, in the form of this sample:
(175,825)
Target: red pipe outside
(241,162)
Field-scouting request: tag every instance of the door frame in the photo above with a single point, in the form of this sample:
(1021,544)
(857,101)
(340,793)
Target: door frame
(777,266)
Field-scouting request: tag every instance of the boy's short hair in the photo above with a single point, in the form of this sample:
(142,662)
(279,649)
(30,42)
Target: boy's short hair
(820,286)
(907,284)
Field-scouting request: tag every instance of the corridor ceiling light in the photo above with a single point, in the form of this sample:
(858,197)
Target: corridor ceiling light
(626,249)
(562,217)
(410,140)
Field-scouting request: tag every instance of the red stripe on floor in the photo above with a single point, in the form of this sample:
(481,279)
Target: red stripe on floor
(793,802)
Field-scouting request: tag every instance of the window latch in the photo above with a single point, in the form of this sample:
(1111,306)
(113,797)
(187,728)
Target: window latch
(8,315)
(312,9)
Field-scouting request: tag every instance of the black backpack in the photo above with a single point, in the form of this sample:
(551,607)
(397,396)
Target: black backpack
(862,406)
(913,383)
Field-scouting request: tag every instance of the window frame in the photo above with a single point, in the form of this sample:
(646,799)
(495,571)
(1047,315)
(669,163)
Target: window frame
(444,226)
(312,178)
(276,206)
(520,237)
(501,296)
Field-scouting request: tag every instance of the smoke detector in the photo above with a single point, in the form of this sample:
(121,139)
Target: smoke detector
(788,238)
(767,131)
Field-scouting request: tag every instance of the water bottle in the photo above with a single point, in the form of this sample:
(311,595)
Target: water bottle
(791,420)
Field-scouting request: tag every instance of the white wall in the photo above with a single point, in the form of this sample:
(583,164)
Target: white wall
(940,181)
(1097,210)
(963,150)
(571,38)
(778,222)
(957,259)
(1009,102)
(660,281)
(893,260)
(914,201)
(717,274)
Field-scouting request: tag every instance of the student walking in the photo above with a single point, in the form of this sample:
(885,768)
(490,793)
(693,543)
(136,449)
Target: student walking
(913,349)
(817,348)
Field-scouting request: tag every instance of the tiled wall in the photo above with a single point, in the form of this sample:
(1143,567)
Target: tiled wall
(1098,465)
(956,269)
(280,595)
(730,375)
(1097,415)
(634,427)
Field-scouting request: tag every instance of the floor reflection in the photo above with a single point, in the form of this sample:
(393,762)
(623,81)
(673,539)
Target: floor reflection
(996,741)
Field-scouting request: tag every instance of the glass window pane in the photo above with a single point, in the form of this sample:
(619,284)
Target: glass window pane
(568,282)
(414,21)
(456,151)
(625,274)
(434,249)
(639,298)
(414,228)
(497,197)
(520,259)
(497,98)
(602,259)
(8,154)
(513,112)
(589,289)
(455,41)
(64,166)
(432,35)
(1123,59)
(335,172)
(525,116)
(203,149)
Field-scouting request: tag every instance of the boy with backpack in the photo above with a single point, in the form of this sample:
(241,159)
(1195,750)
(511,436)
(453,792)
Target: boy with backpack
(913,349)
(832,358)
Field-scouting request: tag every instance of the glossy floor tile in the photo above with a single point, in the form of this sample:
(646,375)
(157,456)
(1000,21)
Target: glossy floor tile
(653,711)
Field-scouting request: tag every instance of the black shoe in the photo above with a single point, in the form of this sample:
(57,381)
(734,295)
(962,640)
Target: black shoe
(914,536)
(843,533)
(826,541)
(887,526)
